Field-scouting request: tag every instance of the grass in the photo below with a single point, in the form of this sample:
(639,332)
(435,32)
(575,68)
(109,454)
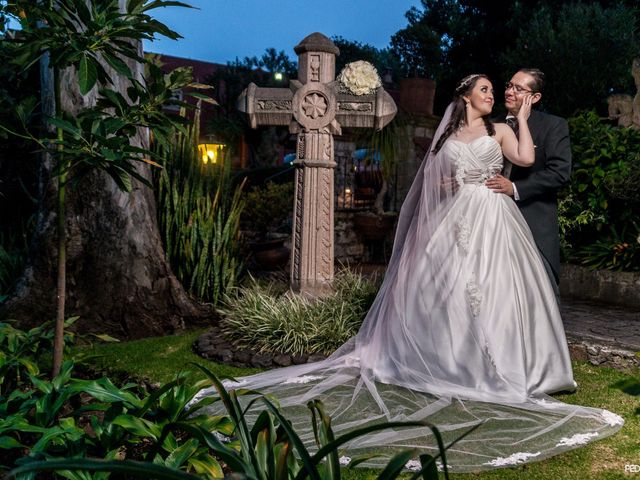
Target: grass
(159,359)
(156,359)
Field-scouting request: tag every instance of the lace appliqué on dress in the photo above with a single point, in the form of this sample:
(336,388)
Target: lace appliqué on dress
(460,170)
(303,379)
(474,295)
(577,439)
(612,419)
(514,459)
(463,232)
(413,465)
(416,466)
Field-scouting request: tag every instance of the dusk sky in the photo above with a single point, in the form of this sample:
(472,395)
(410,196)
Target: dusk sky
(222,30)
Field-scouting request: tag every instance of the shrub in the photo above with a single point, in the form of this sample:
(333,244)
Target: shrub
(266,319)
(267,208)
(600,207)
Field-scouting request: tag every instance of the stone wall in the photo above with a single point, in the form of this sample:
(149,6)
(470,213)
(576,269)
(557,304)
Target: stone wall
(349,247)
(617,288)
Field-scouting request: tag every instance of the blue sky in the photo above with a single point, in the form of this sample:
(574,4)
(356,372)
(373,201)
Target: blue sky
(225,29)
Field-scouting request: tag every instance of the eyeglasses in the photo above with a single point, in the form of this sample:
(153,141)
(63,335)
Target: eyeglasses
(516,88)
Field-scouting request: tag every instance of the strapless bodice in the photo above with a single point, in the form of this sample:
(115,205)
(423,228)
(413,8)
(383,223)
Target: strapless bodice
(474,161)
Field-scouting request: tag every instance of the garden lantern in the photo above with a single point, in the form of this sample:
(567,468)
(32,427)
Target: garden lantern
(211,150)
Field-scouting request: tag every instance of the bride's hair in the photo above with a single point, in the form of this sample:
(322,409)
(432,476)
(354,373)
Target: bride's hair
(457,114)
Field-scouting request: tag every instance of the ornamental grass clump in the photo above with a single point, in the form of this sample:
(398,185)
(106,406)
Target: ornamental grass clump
(264,319)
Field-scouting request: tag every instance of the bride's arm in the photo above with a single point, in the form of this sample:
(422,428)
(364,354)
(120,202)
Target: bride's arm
(519,151)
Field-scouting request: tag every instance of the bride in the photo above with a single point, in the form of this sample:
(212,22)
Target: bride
(465,329)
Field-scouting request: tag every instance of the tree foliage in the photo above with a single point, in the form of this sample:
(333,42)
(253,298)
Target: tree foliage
(585,49)
(272,61)
(351,51)
(448,39)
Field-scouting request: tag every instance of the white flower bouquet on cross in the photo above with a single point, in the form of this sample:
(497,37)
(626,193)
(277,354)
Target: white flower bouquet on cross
(359,78)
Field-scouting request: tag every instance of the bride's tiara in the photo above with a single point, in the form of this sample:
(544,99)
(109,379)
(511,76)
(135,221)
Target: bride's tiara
(466,81)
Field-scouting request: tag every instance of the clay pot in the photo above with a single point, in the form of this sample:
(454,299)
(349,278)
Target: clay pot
(374,227)
(270,254)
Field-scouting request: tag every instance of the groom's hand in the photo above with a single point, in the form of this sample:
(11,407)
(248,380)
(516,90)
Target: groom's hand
(500,184)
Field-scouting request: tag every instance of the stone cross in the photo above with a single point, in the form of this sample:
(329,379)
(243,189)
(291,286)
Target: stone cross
(315,108)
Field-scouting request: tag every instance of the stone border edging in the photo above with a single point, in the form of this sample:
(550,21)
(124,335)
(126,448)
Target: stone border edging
(213,346)
(599,354)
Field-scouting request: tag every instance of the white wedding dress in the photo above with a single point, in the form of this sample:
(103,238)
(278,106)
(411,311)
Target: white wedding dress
(465,330)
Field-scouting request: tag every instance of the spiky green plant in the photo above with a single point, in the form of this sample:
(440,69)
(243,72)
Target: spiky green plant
(199,217)
(269,321)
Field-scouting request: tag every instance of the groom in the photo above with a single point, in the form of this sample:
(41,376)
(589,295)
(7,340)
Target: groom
(535,188)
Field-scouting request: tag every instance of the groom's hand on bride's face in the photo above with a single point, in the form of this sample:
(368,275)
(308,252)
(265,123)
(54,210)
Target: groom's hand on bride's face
(500,184)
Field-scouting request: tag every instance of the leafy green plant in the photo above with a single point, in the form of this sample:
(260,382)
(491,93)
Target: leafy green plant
(47,420)
(572,223)
(22,353)
(265,318)
(268,450)
(617,251)
(68,417)
(75,418)
(199,217)
(603,193)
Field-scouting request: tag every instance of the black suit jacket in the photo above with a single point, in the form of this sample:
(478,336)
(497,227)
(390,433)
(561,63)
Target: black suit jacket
(538,185)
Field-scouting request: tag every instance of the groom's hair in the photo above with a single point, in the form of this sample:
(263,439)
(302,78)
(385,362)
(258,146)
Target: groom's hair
(538,78)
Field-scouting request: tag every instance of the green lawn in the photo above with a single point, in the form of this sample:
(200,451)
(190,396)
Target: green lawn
(156,359)
(159,359)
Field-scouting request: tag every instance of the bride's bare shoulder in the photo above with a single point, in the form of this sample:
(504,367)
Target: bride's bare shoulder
(502,129)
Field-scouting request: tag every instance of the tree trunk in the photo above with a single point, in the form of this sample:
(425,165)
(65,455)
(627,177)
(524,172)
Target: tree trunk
(118,280)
